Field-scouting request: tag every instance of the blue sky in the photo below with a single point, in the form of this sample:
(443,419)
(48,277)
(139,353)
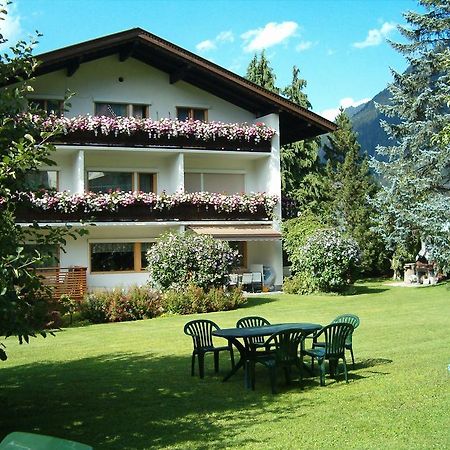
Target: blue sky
(339,45)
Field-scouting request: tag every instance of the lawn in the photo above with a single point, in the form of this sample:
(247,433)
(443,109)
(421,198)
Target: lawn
(128,385)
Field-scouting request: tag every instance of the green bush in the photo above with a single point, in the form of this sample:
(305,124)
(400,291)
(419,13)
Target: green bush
(328,261)
(301,283)
(181,259)
(193,300)
(121,305)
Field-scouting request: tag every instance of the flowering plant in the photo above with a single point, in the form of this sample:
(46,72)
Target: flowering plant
(91,202)
(169,128)
(328,261)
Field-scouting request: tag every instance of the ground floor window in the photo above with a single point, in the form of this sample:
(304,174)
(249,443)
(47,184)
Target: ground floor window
(241,247)
(119,256)
(48,253)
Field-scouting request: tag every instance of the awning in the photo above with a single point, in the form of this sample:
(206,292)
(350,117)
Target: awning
(239,232)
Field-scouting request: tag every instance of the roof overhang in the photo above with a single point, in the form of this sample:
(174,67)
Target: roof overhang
(239,232)
(296,123)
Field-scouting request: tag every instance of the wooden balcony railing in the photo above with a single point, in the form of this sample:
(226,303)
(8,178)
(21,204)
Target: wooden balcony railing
(69,281)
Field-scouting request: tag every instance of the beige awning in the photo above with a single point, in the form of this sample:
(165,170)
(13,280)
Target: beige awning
(239,232)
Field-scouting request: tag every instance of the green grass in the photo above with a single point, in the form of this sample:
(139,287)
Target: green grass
(128,385)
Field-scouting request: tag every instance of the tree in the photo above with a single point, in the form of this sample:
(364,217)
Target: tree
(300,169)
(24,302)
(414,201)
(261,73)
(351,186)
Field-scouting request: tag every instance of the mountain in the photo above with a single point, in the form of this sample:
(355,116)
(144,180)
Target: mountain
(366,122)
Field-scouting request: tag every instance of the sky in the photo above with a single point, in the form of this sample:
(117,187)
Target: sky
(340,46)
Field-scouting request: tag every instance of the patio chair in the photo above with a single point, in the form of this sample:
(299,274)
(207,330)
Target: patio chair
(31,441)
(333,349)
(257,282)
(234,279)
(253,321)
(344,318)
(200,331)
(247,282)
(285,354)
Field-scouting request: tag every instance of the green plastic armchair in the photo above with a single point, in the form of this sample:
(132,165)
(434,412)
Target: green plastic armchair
(30,441)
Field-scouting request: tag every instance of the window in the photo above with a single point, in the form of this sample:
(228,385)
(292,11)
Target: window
(119,256)
(121,110)
(49,106)
(192,113)
(228,183)
(49,253)
(102,181)
(241,247)
(41,179)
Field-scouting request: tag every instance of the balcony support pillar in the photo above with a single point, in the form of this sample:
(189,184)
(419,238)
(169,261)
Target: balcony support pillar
(79,173)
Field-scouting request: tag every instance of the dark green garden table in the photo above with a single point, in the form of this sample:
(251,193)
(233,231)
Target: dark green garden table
(234,334)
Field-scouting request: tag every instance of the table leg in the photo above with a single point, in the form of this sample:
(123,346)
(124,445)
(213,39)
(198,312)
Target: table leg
(242,358)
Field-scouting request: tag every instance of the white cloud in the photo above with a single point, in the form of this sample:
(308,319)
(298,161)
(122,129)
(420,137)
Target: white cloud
(211,44)
(304,45)
(225,36)
(376,36)
(205,46)
(10,27)
(331,113)
(272,34)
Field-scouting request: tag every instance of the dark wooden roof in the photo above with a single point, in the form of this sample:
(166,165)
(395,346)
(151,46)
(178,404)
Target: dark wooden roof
(296,123)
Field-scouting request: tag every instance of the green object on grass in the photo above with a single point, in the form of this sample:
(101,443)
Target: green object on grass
(30,441)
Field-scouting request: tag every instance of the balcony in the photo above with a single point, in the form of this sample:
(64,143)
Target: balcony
(142,207)
(69,281)
(167,133)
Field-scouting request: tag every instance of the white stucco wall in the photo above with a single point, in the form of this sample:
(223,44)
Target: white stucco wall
(98,81)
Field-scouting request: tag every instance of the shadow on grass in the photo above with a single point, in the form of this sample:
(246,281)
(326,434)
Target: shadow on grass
(256,301)
(130,402)
(362,289)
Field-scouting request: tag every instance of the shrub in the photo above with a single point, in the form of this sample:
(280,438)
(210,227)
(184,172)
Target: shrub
(122,305)
(193,300)
(181,259)
(301,283)
(328,260)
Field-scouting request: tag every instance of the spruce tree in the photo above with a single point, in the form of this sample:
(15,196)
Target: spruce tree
(261,73)
(414,201)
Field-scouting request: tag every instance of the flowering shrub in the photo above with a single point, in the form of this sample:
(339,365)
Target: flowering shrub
(177,260)
(121,305)
(169,128)
(194,300)
(327,262)
(91,202)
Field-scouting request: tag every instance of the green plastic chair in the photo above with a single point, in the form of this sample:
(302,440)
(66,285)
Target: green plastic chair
(344,318)
(201,333)
(30,441)
(333,349)
(253,321)
(284,353)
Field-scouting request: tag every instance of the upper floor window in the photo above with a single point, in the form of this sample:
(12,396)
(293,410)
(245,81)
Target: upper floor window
(41,179)
(121,110)
(192,113)
(104,181)
(227,183)
(55,107)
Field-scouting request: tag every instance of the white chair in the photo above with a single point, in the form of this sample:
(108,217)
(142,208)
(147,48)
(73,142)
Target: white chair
(234,279)
(257,283)
(247,281)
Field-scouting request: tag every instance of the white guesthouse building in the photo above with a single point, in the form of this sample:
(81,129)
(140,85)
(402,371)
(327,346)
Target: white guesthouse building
(138,75)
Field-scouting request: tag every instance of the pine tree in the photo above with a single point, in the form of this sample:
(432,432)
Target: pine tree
(414,202)
(351,185)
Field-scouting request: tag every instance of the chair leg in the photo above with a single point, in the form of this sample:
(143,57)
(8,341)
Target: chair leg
(216,362)
(251,365)
(201,364)
(287,375)
(345,369)
(353,358)
(322,371)
(231,355)
(193,364)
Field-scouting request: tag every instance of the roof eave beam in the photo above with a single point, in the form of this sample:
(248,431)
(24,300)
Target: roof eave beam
(179,74)
(72,66)
(127,51)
